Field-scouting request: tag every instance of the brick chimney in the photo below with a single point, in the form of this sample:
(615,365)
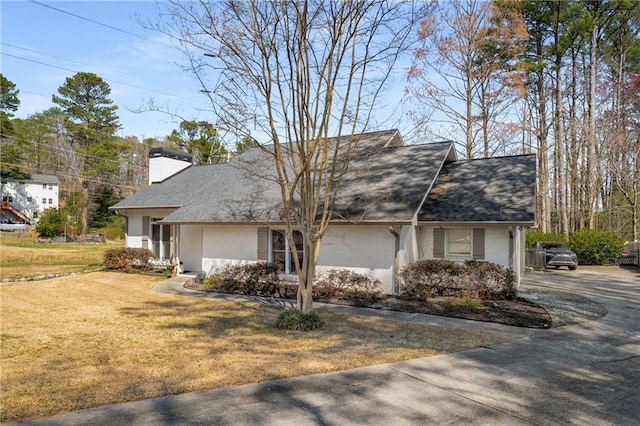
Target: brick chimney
(164,163)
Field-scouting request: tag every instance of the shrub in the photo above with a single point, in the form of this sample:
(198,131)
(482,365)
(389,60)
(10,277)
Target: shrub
(492,281)
(532,237)
(292,319)
(431,278)
(50,224)
(255,279)
(477,280)
(466,302)
(595,247)
(359,289)
(113,230)
(213,282)
(200,277)
(129,259)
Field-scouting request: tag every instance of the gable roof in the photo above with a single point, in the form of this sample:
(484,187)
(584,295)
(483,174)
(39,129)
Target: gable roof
(389,184)
(498,189)
(177,191)
(386,182)
(31,178)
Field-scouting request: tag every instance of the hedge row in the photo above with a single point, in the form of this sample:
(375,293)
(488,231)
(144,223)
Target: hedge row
(263,279)
(592,247)
(130,260)
(444,278)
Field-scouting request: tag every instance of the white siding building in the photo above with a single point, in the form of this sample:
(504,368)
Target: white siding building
(24,199)
(397,205)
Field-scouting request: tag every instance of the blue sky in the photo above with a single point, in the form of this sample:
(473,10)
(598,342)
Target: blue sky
(41,46)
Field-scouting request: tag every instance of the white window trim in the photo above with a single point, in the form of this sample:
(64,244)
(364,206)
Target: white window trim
(454,256)
(288,269)
(153,221)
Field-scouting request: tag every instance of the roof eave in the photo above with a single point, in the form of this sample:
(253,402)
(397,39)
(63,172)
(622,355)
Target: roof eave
(116,207)
(478,222)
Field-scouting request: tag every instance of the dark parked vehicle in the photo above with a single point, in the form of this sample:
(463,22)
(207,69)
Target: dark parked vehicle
(558,255)
(630,254)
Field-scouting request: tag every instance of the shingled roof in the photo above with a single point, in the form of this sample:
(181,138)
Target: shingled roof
(386,182)
(389,184)
(500,189)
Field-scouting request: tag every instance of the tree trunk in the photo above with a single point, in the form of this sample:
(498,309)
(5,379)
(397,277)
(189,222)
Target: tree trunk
(545,215)
(591,183)
(84,216)
(559,155)
(306,274)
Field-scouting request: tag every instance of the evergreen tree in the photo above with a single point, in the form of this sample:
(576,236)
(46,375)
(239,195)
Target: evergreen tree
(10,148)
(91,123)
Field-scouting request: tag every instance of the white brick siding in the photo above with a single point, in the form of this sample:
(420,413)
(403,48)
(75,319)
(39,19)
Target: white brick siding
(366,249)
(134,224)
(496,243)
(222,245)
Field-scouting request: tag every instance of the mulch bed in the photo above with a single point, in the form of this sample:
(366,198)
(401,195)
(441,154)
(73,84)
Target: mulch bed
(518,312)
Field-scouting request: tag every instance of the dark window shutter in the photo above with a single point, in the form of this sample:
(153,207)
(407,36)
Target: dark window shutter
(438,243)
(263,244)
(478,243)
(145,232)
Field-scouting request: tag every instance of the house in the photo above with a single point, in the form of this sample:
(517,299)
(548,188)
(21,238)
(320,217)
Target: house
(397,204)
(25,198)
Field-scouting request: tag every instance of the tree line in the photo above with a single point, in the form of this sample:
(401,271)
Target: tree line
(557,78)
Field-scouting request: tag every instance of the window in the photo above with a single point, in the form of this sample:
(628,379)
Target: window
(50,186)
(281,252)
(35,215)
(29,199)
(44,186)
(10,198)
(50,201)
(160,239)
(459,241)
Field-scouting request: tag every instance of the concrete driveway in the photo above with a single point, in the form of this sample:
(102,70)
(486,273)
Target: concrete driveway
(587,374)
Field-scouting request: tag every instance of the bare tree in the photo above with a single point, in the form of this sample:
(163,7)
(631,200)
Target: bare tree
(466,70)
(299,72)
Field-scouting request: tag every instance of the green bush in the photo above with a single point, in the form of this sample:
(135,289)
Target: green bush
(444,278)
(254,279)
(50,223)
(596,247)
(114,230)
(129,259)
(532,237)
(359,289)
(293,319)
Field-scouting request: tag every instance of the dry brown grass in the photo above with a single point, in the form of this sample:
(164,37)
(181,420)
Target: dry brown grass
(100,338)
(22,257)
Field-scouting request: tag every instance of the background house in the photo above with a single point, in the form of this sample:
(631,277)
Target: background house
(396,205)
(24,199)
